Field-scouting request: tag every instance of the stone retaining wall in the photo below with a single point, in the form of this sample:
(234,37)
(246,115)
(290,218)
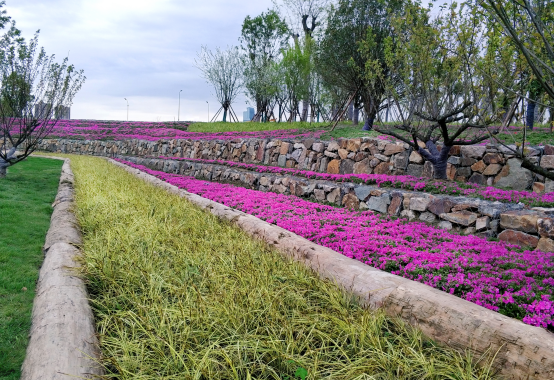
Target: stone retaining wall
(508,222)
(485,165)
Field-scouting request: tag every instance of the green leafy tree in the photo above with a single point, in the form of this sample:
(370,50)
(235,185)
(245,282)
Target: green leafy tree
(340,60)
(528,25)
(33,88)
(263,38)
(296,66)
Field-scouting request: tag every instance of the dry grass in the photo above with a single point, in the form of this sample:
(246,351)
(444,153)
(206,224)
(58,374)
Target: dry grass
(179,294)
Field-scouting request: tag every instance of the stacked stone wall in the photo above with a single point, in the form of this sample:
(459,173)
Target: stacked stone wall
(509,222)
(484,165)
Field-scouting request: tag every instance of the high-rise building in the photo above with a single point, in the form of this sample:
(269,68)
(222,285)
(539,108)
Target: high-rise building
(248,115)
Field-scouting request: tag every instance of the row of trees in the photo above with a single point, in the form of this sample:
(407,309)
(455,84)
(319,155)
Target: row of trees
(459,76)
(33,89)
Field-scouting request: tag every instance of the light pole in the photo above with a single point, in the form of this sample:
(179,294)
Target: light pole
(179,111)
(208,111)
(127,109)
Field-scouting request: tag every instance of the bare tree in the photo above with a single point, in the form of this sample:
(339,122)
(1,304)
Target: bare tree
(223,69)
(34,91)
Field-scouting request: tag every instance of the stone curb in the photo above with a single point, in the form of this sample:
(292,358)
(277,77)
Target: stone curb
(63,343)
(522,351)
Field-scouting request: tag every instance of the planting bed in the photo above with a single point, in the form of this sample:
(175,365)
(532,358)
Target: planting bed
(490,219)
(178,293)
(499,276)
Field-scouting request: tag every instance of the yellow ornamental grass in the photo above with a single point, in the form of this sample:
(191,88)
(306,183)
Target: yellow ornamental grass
(179,294)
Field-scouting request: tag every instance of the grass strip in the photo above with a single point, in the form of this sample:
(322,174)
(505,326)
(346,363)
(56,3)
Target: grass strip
(177,293)
(26,195)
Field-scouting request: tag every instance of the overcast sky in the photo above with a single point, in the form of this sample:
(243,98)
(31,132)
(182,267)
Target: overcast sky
(142,50)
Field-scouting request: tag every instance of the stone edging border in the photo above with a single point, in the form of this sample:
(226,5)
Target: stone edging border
(63,342)
(522,351)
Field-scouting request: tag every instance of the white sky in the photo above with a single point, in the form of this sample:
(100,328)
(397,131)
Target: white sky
(137,49)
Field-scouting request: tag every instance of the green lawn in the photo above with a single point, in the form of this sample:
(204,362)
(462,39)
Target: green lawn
(26,195)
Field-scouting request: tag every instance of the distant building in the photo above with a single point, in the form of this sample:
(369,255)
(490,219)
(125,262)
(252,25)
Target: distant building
(248,115)
(42,109)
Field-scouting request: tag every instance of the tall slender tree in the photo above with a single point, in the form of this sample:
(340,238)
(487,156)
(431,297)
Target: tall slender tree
(223,70)
(262,39)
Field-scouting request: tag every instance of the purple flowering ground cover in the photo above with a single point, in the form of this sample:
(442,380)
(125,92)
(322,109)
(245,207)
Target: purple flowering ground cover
(498,276)
(451,188)
(112,130)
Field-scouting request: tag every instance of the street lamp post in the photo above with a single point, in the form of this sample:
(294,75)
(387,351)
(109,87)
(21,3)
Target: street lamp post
(179,111)
(208,111)
(127,109)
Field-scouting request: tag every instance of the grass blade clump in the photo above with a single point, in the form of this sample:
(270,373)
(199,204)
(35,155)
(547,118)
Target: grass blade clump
(178,293)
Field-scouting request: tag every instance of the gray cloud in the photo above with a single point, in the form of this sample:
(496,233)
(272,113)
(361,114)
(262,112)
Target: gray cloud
(137,49)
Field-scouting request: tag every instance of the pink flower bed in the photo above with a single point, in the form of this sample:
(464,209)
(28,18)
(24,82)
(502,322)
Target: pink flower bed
(98,130)
(497,276)
(400,182)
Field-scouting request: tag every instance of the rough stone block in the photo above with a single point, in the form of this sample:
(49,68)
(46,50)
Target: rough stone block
(391,149)
(482,223)
(546,245)
(284,148)
(522,220)
(513,176)
(319,194)
(333,167)
(353,144)
(415,170)
(343,153)
(545,227)
(419,203)
(464,217)
(475,152)
(350,201)
(427,217)
(477,178)
(333,146)
(547,162)
(379,203)
(518,238)
(334,196)
(538,187)
(409,214)
(447,225)
(363,166)
(400,160)
(493,158)
(282,161)
(382,169)
(479,166)
(363,192)
(492,169)
(416,158)
(440,205)
(318,147)
(455,160)
(396,204)
(346,166)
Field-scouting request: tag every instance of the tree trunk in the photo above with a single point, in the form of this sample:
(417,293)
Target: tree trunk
(2,171)
(356,116)
(531,105)
(225,115)
(350,111)
(439,159)
(305,106)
